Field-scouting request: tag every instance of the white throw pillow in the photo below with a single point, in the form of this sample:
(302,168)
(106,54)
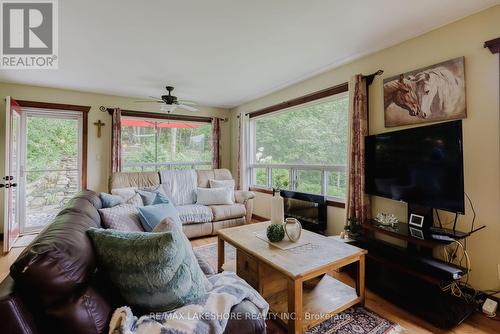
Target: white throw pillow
(221,183)
(215,196)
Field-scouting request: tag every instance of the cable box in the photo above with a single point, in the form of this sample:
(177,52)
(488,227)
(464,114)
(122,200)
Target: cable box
(448,232)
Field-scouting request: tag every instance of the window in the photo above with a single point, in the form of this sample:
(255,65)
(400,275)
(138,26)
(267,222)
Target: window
(149,144)
(302,148)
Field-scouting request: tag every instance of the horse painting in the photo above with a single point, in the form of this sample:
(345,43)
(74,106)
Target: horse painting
(434,93)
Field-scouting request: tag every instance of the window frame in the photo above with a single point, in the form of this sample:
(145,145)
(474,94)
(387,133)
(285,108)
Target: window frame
(325,95)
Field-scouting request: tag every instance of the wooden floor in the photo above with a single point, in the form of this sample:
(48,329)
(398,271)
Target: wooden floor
(476,324)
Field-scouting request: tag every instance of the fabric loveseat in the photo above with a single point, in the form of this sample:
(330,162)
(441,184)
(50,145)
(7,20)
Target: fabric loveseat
(213,218)
(55,285)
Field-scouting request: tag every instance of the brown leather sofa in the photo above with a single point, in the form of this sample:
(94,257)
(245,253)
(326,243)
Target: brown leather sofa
(55,287)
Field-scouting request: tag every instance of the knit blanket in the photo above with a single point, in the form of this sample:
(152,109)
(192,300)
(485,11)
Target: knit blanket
(207,314)
(179,185)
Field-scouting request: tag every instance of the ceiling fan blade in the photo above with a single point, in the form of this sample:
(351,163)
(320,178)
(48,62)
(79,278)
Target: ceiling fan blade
(155,98)
(186,102)
(145,101)
(188,108)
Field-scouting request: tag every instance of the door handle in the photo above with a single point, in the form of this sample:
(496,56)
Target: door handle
(13,185)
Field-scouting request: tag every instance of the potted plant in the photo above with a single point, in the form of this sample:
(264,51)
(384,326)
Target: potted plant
(352,227)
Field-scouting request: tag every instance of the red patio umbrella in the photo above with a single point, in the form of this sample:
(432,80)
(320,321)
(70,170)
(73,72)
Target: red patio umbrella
(149,124)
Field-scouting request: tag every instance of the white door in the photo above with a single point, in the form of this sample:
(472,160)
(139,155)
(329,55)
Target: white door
(10,180)
(51,164)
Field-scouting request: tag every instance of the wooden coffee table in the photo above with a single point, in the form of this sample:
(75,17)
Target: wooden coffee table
(293,281)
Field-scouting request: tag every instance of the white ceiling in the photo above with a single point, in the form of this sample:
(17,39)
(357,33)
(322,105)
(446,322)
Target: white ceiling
(225,52)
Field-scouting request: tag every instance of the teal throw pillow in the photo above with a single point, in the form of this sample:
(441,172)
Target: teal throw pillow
(152,215)
(161,199)
(152,196)
(109,201)
(153,271)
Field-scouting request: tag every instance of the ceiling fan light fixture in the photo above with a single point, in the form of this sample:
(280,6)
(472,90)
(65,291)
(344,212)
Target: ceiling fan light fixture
(168,107)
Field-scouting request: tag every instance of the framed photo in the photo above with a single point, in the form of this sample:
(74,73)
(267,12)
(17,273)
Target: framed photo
(429,94)
(416,233)
(416,220)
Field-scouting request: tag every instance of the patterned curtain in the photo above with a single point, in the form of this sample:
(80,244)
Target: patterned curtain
(116,146)
(215,142)
(238,158)
(358,203)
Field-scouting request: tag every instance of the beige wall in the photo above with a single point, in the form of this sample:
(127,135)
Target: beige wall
(481,128)
(99,149)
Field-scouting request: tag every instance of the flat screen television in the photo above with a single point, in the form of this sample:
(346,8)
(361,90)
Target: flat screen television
(422,166)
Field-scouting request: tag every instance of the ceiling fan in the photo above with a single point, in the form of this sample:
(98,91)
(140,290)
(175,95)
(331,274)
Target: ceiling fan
(170,102)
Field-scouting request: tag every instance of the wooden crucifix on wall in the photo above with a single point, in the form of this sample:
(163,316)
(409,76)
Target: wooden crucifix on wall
(99,124)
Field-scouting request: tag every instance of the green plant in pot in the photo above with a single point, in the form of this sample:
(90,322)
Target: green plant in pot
(352,227)
(275,232)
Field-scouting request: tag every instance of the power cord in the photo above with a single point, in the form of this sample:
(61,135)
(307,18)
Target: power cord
(447,224)
(473,211)
(456,288)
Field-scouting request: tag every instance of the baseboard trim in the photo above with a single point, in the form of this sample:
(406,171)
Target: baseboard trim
(259,218)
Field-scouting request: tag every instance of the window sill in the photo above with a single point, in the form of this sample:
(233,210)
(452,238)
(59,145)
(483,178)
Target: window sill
(329,201)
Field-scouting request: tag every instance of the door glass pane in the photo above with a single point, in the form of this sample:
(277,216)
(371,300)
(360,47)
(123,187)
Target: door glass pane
(52,168)
(280,178)
(51,143)
(309,181)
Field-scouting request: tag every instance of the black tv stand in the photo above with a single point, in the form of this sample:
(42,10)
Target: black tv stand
(410,277)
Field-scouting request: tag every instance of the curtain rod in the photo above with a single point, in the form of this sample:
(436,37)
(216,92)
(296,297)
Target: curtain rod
(343,87)
(370,77)
(369,80)
(152,114)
